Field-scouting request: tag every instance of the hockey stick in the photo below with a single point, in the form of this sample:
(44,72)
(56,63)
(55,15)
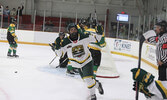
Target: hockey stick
(54,57)
(142,39)
(95,12)
(61,63)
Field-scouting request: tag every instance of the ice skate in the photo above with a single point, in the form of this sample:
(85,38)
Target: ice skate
(76,72)
(100,87)
(70,73)
(16,56)
(93,97)
(9,55)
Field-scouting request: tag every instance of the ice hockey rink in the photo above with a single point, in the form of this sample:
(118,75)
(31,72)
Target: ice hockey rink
(30,77)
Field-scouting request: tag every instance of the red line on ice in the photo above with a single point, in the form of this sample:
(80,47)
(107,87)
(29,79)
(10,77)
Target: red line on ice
(6,95)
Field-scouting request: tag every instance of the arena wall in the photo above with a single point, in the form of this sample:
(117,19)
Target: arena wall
(116,46)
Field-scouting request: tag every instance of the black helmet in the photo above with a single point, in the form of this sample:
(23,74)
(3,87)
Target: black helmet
(94,23)
(13,20)
(82,21)
(163,25)
(71,25)
(62,34)
(91,22)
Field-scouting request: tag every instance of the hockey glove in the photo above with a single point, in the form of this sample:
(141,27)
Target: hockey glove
(52,46)
(143,90)
(99,29)
(79,29)
(16,39)
(142,76)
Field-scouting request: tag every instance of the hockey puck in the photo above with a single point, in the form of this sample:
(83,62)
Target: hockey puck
(15,72)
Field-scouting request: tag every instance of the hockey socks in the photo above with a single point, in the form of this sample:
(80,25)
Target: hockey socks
(95,71)
(11,49)
(14,53)
(92,85)
(9,52)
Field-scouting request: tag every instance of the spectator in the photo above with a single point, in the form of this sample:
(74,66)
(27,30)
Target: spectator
(114,31)
(1,12)
(49,26)
(136,34)
(19,12)
(6,14)
(13,14)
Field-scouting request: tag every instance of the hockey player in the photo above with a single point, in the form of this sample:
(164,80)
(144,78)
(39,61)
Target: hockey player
(94,47)
(160,39)
(82,25)
(12,39)
(152,89)
(76,47)
(63,61)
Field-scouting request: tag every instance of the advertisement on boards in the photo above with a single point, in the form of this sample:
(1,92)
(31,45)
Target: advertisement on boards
(3,34)
(150,52)
(122,45)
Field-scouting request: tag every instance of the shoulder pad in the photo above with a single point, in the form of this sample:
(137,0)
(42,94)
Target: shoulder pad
(86,32)
(12,25)
(91,30)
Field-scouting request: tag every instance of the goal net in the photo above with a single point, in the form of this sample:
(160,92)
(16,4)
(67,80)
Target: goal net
(107,68)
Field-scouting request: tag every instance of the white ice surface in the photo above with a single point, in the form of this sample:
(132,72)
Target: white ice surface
(36,80)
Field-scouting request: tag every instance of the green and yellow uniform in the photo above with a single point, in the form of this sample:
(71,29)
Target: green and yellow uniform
(79,55)
(95,47)
(76,47)
(12,39)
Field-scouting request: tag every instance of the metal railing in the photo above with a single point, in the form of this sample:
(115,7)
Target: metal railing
(40,21)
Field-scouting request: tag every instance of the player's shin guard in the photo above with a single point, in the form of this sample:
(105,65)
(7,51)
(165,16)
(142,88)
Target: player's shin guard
(91,83)
(9,52)
(14,53)
(95,71)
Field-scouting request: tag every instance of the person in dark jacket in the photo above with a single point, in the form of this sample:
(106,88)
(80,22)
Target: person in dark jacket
(20,13)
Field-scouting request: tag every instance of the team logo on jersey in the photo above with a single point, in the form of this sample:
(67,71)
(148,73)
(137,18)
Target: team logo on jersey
(78,51)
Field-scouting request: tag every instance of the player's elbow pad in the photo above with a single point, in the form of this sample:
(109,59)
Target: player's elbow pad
(13,34)
(15,38)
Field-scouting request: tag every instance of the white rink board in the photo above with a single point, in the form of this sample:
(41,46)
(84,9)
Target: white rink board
(3,34)
(25,36)
(31,36)
(116,45)
(132,48)
(45,37)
